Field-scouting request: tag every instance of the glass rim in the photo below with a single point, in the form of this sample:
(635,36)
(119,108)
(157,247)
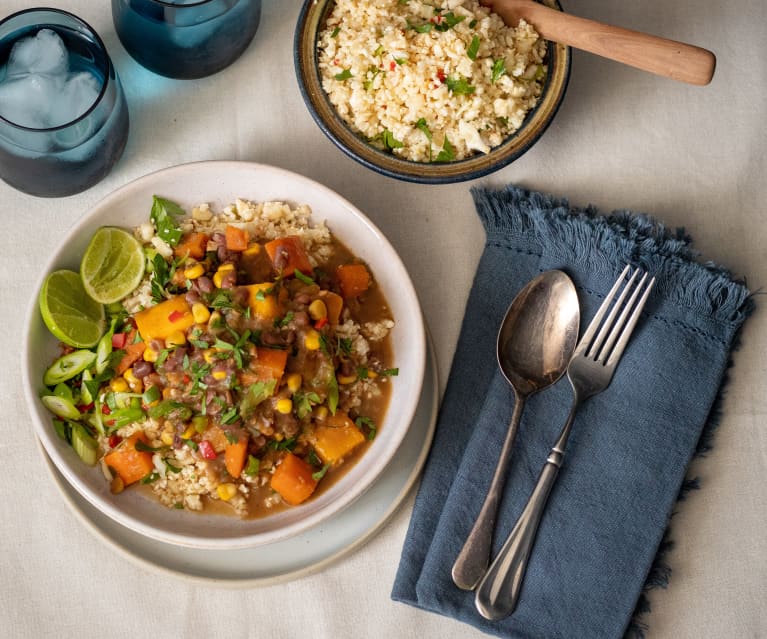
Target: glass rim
(175,5)
(104,84)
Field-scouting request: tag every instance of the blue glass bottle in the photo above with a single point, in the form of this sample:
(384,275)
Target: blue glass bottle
(186,39)
(69,157)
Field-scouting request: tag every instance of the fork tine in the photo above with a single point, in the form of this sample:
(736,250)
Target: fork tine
(617,327)
(616,353)
(607,326)
(588,336)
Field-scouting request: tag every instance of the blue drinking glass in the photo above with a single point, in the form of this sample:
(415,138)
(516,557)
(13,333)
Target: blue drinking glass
(71,155)
(186,39)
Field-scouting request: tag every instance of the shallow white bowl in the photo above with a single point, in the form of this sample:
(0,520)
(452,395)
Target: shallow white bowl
(220,183)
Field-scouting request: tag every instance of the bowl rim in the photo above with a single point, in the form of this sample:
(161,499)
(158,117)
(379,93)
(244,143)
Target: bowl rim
(318,513)
(352,145)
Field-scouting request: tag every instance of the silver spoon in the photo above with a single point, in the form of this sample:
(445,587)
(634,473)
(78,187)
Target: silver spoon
(535,343)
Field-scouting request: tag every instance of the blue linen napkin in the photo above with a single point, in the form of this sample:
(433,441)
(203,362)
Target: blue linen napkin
(630,446)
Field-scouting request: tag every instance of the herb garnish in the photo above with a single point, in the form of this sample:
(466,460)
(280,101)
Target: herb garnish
(499,68)
(447,154)
(367,424)
(424,128)
(459,86)
(163,216)
(473,48)
(320,473)
(344,75)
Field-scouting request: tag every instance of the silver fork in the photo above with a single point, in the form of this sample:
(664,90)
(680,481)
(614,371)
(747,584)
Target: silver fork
(590,371)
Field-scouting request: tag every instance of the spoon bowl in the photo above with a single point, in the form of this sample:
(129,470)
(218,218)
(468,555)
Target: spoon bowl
(535,343)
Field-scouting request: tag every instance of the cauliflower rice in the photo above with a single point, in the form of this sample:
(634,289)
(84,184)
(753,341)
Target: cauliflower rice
(430,81)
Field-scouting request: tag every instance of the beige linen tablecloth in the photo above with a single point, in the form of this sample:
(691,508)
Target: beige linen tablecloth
(692,157)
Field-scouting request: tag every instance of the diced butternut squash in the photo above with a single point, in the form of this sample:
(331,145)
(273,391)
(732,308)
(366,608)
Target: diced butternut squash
(353,279)
(288,255)
(293,480)
(268,364)
(334,304)
(235,455)
(336,438)
(158,322)
(263,302)
(236,238)
(130,464)
(133,352)
(192,245)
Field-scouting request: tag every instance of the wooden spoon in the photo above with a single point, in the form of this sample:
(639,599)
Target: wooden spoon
(671,59)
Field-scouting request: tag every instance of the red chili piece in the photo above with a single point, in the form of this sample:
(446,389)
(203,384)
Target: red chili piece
(119,340)
(206,449)
(175,316)
(114,440)
(320,323)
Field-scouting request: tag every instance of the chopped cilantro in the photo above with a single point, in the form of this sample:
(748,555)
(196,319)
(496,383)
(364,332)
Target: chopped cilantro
(389,372)
(335,32)
(344,75)
(389,141)
(420,28)
(448,21)
(447,154)
(459,86)
(163,216)
(424,128)
(304,402)
(473,48)
(367,425)
(256,394)
(499,68)
(286,444)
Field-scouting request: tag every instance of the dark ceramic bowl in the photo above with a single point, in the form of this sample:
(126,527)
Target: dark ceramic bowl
(310,23)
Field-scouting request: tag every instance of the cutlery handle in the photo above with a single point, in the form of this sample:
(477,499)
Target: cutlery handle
(668,58)
(474,557)
(498,592)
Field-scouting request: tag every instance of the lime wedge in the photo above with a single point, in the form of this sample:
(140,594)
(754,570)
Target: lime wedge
(69,312)
(112,266)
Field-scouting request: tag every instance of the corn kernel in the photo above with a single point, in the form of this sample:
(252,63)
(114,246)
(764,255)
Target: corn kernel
(372,374)
(193,272)
(191,430)
(136,385)
(347,379)
(200,313)
(318,310)
(226,491)
(215,320)
(150,355)
(176,338)
(294,381)
(321,412)
(253,249)
(119,385)
(218,276)
(166,438)
(312,340)
(209,355)
(219,375)
(284,406)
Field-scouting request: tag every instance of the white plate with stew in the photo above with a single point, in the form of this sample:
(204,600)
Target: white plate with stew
(292,558)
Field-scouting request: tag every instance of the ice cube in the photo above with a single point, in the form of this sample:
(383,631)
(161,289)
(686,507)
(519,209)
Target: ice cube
(25,100)
(77,95)
(44,53)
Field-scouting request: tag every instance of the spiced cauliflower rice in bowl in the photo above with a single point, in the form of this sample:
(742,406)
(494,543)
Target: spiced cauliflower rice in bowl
(428,91)
(257,372)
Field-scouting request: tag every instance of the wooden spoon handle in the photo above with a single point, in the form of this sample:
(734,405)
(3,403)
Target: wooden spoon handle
(668,58)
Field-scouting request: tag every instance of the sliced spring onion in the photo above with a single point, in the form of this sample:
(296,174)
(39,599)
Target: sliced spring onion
(85,446)
(60,407)
(67,366)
